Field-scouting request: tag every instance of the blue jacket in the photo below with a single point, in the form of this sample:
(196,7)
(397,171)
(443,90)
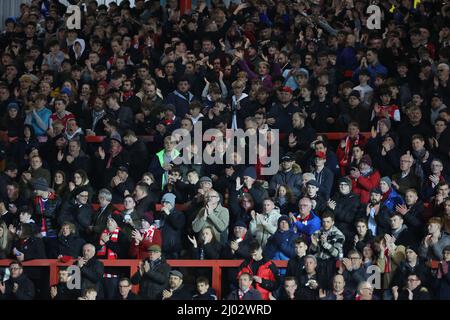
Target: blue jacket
(309,226)
(281,245)
(180,102)
(373,71)
(393,200)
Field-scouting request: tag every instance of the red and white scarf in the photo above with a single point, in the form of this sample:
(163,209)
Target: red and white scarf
(114,237)
(38,201)
(148,234)
(387,265)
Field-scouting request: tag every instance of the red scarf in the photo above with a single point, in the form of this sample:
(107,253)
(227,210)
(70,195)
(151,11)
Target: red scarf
(38,201)
(113,154)
(114,237)
(386,195)
(299,218)
(349,143)
(387,265)
(148,235)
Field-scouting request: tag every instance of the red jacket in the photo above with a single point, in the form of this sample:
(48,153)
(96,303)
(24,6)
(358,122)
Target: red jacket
(263,272)
(363,185)
(344,155)
(141,251)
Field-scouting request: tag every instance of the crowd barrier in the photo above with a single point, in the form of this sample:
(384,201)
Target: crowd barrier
(133,265)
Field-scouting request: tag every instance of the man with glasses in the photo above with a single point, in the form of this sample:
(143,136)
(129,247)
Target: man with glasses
(77,211)
(214,215)
(18,286)
(413,290)
(406,179)
(352,270)
(305,222)
(441,85)
(436,177)
(125,290)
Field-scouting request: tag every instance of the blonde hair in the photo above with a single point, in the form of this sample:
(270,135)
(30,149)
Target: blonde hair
(4,241)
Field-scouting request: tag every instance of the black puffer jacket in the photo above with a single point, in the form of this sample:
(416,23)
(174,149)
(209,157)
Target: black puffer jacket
(48,211)
(172,227)
(153,282)
(70,246)
(345,212)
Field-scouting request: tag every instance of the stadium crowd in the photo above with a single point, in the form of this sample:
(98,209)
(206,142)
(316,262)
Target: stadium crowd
(87,152)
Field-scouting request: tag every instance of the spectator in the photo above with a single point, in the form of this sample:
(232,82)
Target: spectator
(306,222)
(125,290)
(339,292)
(61,291)
(171,225)
(434,242)
(112,245)
(204,291)
(5,241)
(286,176)
(406,179)
(100,217)
(280,246)
(412,264)
(153,274)
(288,291)
(251,186)
(413,290)
(176,290)
(70,244)
(365,292)
(296,263)
(364,179)
(18,286)
(442,275)
(323,175)
(353,270)
(245,290)
(214,215)
(145,237)
(264,225)
(363,235)
(413,213)
(77,211)
(344,206)
(262,270)
(317,199)
(91,270)
(207,247)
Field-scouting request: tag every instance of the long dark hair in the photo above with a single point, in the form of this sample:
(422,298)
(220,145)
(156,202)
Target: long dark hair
(61,188)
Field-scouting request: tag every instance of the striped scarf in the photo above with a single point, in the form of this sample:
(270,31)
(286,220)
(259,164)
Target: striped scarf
(148,234)
(387,265)
(114,237)
(38,201)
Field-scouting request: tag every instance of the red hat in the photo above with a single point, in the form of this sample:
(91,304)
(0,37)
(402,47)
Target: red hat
(321,155)
(286,89)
